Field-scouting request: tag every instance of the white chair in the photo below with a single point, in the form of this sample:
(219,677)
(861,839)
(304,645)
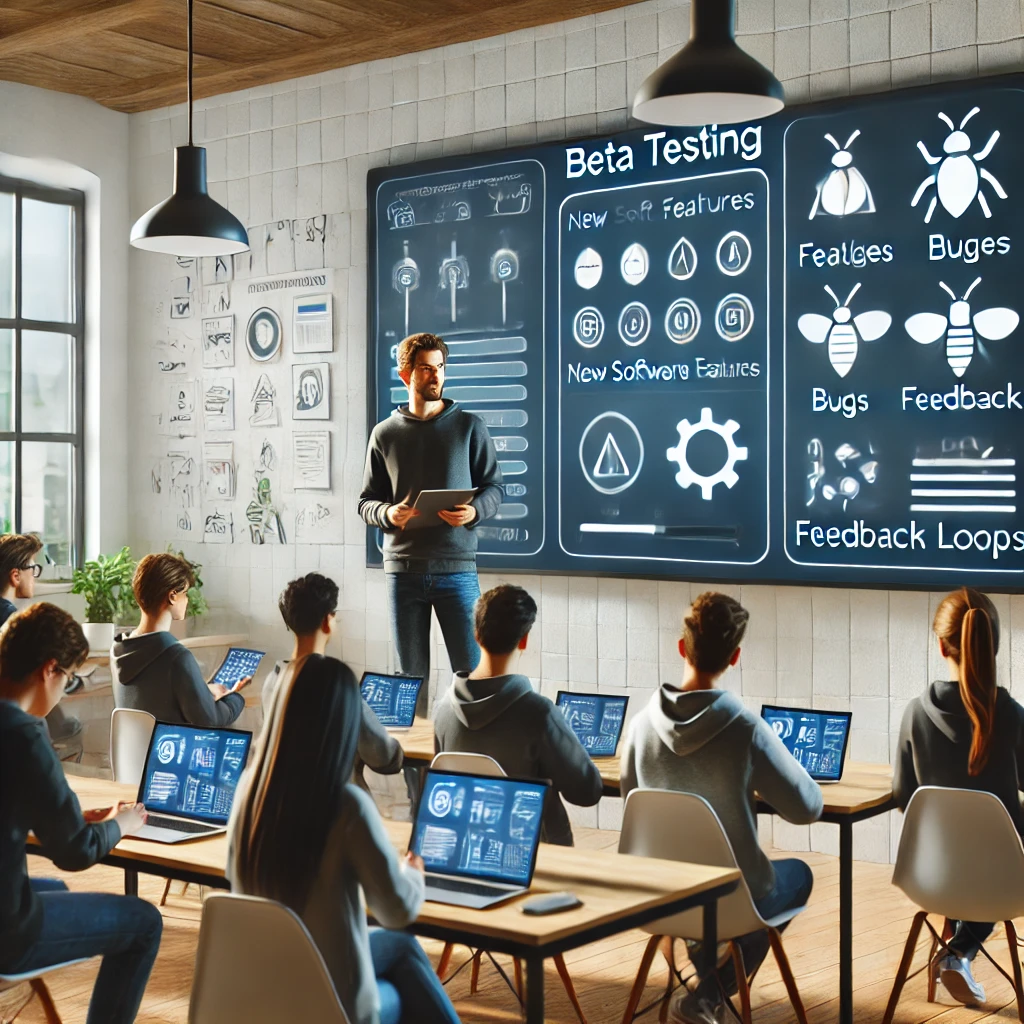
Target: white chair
(39,989)
(959,856)
(256,963)
(683,826)
(482,764)
(130,733)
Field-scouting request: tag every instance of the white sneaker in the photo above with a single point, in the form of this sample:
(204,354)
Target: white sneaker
(957,979)
(689,1008)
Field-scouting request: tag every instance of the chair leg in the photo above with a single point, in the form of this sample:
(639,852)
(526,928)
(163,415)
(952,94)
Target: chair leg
(741,981)
(445,961)
(474,971)
(45,1000)
(167,889)
(641,978)
(570,989)
(668,951)
(787,975)
(933,974)
(904,968)
(517,966)
(1011,938)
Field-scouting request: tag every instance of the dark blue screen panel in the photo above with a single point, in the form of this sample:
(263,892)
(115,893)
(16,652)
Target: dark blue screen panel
(816,739)
(595,719)
(392,698)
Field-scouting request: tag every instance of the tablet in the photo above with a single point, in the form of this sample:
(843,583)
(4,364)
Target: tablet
(238,663)
(392,697)
(429,503)
(595,718)
(817,739)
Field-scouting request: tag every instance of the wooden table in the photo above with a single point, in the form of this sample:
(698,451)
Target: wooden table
(864,792)
(618,892)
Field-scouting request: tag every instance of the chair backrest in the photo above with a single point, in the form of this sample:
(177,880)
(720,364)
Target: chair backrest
(960,856)
(256,963)
(130,733)
(671,825)
(474,764)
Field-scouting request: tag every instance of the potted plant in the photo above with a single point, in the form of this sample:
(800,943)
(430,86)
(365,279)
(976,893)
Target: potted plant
(197,604)
(106,584)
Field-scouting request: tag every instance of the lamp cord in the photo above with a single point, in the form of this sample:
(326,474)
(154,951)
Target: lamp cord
(190,72)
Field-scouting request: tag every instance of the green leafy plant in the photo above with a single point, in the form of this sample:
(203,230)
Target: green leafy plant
(197,604)
(106,583)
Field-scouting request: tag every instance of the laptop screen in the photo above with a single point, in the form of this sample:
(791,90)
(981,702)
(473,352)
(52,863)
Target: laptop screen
(393,698)
(194,772)
(238,663)
(595,718)
(478,826)
(817,739)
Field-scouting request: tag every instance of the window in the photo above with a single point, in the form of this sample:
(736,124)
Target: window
(41,346)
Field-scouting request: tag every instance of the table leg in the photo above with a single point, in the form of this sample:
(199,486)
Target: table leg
(534,990)
(845,922)
(709,945)
(131,882)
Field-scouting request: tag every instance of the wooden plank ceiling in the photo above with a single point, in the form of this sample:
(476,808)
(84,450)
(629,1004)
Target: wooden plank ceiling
(130,54)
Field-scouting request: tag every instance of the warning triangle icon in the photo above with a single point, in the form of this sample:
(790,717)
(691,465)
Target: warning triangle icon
(610,462)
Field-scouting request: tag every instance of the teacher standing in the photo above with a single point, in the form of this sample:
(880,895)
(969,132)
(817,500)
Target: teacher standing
(429,444)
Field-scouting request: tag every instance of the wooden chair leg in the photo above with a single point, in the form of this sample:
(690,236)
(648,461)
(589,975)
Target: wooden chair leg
(787,975)
(741,981)
(517,966)
(641,978)
(167,889)
(933,971)
(904,968)
(445,961)
(1011,938)
(570,989)
(474,971)
(45,1000)
(668,951)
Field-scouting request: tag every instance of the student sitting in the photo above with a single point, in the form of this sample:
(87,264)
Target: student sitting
(41,923)
(309,607)
(296,789)
(495,711)
(151,670)
(698,739)
(965,733)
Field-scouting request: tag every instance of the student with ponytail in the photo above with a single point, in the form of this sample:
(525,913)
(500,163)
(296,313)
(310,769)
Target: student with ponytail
(964,733)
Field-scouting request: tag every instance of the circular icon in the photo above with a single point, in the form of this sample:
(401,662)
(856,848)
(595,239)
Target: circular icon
(503,269)
(734,317)
(611,453)
(682,260)
(263,334)
(440,801)
(635,264)
(588,268)
(726,474)
(407,277)
(682,321)
(634,323)
(733,254)
(165,751)
(588,327)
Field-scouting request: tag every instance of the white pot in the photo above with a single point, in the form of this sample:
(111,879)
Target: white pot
(100,635)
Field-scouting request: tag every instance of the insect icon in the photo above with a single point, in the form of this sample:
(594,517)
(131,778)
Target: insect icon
(842,335)
(843,190)
(958,180)
(991,324)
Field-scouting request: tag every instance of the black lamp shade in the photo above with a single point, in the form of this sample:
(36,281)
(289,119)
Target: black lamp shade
(190,223)
(710,80)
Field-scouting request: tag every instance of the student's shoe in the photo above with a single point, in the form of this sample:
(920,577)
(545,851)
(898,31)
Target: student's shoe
(957,979)
(693,1008)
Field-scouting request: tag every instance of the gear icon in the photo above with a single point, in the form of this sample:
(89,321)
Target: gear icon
(727,474)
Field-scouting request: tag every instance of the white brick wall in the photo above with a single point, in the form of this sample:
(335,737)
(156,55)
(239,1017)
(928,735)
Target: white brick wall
(303,147)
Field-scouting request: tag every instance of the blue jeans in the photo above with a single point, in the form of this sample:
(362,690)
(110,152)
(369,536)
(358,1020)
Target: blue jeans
(406,980)
(124,930)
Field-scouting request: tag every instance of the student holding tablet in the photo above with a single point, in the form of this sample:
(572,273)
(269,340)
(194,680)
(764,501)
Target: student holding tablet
(344,863)
(151,670)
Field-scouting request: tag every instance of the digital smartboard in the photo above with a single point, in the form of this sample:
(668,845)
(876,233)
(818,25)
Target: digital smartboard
(780,351)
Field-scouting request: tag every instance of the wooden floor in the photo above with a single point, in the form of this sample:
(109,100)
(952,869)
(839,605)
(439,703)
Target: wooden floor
(604,972)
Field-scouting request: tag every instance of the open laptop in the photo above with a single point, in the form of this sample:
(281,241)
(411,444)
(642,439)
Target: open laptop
(189,781)
(392,697)
(596,719)
(238,663)
(478,836)
(817,739)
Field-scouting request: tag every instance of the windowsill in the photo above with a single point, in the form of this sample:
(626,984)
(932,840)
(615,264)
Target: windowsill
(44,589)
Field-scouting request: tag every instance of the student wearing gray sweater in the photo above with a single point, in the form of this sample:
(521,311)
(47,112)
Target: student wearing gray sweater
(697,738)
(345,864)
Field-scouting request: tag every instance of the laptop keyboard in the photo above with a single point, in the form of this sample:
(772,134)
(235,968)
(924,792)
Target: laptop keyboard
(458,885)
(159,821)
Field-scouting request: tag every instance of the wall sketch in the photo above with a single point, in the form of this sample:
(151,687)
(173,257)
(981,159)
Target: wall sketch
(183,481)
(310,235)
(312,324)
(181,298)
(311,460)
(172,351)
(311,522)
(279,243)
(216,300)
(261,513)
(311,391)
(217,269)
(181,409)
(218,470)
(218,340)
(264,408)
(219,403)
(263,334)
(219,527)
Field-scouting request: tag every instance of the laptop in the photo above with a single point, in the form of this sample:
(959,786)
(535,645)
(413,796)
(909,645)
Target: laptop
(478,836)
(392,697)
(189,781)
(238,663)
(817,739)
(595,718)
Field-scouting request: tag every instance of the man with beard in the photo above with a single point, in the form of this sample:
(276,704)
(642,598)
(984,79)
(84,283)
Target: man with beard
(429,444)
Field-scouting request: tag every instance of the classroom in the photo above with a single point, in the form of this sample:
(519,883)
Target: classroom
(501,515)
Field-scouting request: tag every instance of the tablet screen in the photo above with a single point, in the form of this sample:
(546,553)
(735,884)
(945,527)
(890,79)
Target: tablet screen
(238,663)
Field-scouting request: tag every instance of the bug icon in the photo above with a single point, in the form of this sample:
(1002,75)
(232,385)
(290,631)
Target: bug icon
(843,190)
(958,180)
(991,324)
(842,335)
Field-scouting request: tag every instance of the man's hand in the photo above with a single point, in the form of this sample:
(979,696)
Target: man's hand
(415,861)
(218,690)
(130,818)
(241,684)
(400,514)
(97,814)
(461,515)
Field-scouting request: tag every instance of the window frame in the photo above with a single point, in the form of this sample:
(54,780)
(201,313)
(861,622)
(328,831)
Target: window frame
(75,199)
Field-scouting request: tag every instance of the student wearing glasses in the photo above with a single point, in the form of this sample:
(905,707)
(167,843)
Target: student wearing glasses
(41,923)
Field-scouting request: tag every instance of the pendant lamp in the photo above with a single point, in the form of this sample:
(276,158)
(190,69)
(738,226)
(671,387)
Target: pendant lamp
(190,223)
(710,80)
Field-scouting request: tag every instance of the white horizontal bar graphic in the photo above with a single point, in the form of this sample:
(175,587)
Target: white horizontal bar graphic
(965,462)
(955,492)
(973,478)
(963,508)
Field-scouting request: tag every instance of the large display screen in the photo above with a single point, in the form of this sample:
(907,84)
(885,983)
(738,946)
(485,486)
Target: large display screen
(781,351)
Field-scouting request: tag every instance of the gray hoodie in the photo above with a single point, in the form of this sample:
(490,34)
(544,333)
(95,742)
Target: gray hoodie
(706,742)
(526,734)
(155,673)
